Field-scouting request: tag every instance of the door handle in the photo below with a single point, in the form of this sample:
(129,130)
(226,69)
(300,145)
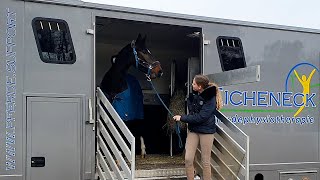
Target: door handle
(91,119)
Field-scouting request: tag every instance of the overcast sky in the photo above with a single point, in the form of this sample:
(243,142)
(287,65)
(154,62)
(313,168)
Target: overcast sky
(299,13)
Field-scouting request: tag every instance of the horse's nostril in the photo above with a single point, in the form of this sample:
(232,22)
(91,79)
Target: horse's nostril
(160,73)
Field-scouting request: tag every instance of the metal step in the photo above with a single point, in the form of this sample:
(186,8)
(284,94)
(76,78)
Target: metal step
(159,161)
(157,166)
(172,178)
(172,173)
(165,178)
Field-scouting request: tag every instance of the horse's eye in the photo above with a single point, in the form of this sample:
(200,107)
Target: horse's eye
(145,51)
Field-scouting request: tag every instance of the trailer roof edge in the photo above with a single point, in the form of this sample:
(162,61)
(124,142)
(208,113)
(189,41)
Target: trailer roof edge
(79,3)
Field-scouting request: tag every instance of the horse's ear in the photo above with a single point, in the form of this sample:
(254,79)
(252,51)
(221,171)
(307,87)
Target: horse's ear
(139,38)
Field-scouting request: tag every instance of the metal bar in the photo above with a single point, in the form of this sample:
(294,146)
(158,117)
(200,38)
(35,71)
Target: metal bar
(247,158)
(100,173)
(41,25)
(58,26)
(235,145)
(230,124)
(215,171)
(114,148)
(133,159)
(229,139)
(97,148)
(93,86)
(115,116)
(91,119)
(50,26)
(172,87)
(248,74)
(225,151)
(110,159)
(220,162)
(171,150)
(130,154)
(115,132)
(104,165)
(229,161)
(299,172)
(202,54)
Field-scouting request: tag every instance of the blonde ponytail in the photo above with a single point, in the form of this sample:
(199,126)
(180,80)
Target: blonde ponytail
(218,96)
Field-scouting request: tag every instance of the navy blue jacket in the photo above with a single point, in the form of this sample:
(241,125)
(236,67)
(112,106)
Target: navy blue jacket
(201,118)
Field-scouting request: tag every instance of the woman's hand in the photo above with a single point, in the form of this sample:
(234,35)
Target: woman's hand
(177,117)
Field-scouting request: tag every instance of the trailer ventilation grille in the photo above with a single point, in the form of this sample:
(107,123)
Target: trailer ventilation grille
(53,40)
(230,53)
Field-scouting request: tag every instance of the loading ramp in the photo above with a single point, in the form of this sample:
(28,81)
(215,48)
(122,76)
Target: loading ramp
(116,159)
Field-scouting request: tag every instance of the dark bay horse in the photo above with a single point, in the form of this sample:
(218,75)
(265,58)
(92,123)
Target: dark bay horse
(119,86)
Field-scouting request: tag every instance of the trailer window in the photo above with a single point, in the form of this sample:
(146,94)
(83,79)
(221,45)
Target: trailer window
(230,53)
(54,41)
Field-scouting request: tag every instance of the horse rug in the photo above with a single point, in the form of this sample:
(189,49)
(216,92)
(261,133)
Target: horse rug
(129,103)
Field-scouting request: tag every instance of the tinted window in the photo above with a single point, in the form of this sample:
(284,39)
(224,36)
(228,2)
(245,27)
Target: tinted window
(231,53)
(54,41)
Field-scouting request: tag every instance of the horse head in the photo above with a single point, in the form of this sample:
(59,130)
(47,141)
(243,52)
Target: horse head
(144,60)
(133,54)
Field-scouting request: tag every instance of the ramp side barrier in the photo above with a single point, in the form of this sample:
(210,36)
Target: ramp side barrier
(115,156)
(230,154)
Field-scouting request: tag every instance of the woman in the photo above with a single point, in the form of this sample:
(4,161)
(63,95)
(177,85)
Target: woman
(201,123)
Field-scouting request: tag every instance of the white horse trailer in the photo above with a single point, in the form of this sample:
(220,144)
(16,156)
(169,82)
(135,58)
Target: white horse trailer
(57,125)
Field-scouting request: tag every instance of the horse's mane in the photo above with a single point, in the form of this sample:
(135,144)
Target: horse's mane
(114,81)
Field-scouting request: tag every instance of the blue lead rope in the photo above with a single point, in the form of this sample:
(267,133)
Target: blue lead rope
(177,125)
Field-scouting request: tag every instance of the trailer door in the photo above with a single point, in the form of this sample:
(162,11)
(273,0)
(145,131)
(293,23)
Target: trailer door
(53,138)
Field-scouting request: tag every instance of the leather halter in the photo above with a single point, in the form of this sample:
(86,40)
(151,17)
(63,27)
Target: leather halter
(142,65)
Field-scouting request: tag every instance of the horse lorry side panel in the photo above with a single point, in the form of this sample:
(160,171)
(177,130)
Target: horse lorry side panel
(284,141)
(44,98)
(45,130)
(266,103)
